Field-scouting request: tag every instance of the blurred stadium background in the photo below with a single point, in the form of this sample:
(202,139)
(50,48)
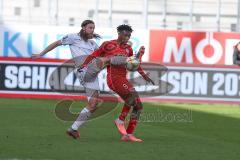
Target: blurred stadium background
(211,15)
(198,119)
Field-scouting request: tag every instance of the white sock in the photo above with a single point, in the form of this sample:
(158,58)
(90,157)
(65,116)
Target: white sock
(82,118)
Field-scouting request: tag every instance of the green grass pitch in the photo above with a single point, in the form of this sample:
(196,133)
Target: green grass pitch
(30,130)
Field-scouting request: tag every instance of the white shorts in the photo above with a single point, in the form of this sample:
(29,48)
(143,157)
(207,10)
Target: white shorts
(90,87)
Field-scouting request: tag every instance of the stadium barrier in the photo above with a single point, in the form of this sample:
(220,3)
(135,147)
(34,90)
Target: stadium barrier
(23,77)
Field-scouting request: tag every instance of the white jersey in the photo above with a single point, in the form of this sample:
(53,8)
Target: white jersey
(80,49)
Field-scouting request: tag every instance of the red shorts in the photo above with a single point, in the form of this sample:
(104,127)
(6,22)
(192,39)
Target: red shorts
(121,86)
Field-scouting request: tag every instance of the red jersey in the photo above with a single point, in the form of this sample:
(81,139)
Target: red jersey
(112,48)
(115,73)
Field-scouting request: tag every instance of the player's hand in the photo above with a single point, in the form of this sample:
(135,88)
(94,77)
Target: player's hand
(140,53)
(148,79)
(36,56)
(141,50)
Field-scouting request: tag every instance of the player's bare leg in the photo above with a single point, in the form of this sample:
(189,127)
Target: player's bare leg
(133,100)
(85,113)
(120,121)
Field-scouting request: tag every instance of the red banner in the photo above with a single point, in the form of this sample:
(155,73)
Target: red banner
(185,47)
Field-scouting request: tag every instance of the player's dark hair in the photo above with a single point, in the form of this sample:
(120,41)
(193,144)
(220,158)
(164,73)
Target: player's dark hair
(83,34)
(124,27)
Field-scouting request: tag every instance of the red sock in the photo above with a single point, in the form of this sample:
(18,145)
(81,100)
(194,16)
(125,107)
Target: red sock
(124,112)
(132,125)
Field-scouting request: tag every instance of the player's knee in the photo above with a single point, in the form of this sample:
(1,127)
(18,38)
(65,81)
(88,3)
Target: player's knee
(138,106)
(136,103)
(132,99)
(136,112)
(92,104)
(131,102)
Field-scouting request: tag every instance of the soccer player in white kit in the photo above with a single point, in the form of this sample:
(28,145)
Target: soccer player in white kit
(81,45)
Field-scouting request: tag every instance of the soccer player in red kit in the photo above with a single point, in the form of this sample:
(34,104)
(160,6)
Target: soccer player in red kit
(117,81)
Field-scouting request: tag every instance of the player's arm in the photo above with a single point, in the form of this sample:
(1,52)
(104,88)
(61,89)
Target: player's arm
(139,55)
(144,75)
(47,49)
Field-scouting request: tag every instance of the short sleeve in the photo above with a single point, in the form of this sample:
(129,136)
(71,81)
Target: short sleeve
(67,39)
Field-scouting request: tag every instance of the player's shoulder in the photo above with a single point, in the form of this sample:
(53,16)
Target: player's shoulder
(72,36)
(106,43)
(109,45)
(128,46)
(93,43)
(109,42)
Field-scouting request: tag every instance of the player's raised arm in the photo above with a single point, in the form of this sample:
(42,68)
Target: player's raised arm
(47,49)
(139,55)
